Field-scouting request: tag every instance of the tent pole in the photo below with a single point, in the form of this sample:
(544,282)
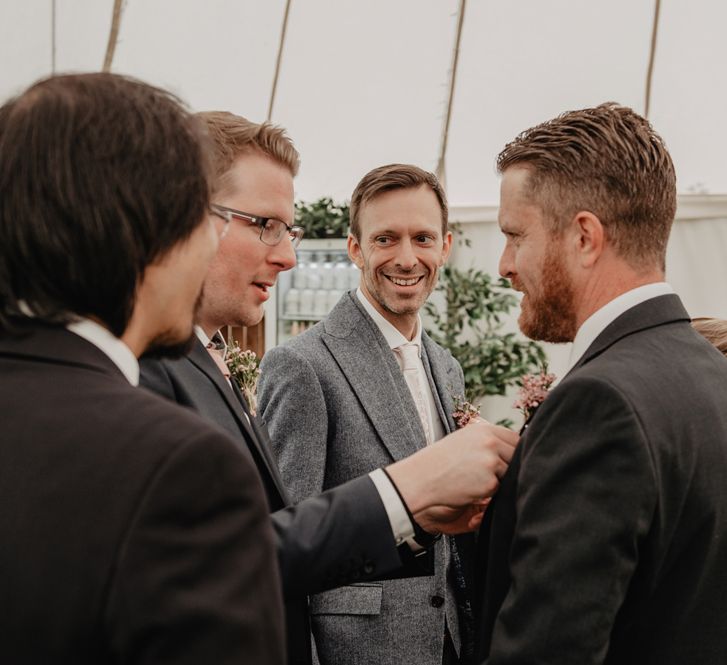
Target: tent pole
(441,169)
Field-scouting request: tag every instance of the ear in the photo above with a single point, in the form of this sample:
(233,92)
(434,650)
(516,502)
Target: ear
(354,251)
(446,248)
(589,238)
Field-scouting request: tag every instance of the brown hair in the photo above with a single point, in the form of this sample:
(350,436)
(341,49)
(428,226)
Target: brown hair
(233,136)
(388,178)
(713,330)
(100,175)
(607,160)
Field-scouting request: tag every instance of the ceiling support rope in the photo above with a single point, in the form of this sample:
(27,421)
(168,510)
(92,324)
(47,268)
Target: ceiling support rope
(441,169)
(113,35)
(53,37)
(279,61)
(652,57)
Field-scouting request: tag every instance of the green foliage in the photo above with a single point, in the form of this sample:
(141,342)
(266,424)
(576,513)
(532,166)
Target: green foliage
(323,218)
(471,328)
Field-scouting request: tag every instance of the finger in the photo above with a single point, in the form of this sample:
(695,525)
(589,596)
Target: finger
(506,435)
(475,521)
(504,450)
(501,468)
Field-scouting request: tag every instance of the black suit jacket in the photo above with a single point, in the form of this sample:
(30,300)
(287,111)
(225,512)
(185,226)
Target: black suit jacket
(607,540)
(131,531)
(330,540)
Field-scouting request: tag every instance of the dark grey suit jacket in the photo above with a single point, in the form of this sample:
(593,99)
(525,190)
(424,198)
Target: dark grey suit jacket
(326,541)
(131,531)
(607,542)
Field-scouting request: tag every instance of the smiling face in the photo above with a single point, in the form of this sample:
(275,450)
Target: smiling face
(245,269)
(535,261)
(400,251)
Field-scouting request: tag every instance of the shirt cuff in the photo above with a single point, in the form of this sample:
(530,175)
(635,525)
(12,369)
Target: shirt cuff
(401,525)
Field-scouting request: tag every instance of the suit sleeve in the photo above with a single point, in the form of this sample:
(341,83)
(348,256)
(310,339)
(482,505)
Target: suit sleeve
(326,540)
(293,407)
(333,539)
(196,581)
(586,495)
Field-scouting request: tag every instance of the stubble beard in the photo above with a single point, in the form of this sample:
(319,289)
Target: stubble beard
(169,343)
(401,307)
(550,316)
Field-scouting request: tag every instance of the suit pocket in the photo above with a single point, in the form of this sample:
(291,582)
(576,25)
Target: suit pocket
(362,599)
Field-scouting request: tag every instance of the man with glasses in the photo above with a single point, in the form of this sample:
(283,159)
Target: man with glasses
(353,532)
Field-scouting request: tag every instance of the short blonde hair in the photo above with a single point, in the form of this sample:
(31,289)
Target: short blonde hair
(713,330)
(232,136)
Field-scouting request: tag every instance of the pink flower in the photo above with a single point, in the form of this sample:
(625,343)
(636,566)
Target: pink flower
(464,411)
(533,392)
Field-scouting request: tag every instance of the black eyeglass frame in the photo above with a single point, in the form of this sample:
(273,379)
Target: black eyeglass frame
(294,232)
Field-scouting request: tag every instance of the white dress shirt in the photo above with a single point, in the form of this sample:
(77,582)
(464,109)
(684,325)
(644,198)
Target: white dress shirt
(595,324)
(400,523)
(395,339)
(104,340)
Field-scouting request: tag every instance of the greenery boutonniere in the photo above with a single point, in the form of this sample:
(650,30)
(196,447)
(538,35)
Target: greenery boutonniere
(244,369)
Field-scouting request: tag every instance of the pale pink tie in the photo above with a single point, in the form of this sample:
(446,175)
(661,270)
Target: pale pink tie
(409,354)
(219,360)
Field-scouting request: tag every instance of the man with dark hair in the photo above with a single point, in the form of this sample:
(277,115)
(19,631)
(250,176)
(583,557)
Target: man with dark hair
(365,387)
(356,531)
(605,543)
(132,530)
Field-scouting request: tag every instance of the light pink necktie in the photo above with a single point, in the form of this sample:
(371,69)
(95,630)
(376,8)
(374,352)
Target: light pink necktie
(409,354)
(219,361)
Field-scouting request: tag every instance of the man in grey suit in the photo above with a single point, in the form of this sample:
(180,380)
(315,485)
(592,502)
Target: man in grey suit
(606,542)
(367,387)
(353,532)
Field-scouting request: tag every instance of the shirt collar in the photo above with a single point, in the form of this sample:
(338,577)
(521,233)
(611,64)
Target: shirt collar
(595,324)
(217,340)
(392,336)
(102,338)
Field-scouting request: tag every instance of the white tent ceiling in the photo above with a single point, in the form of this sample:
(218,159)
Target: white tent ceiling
(364,83)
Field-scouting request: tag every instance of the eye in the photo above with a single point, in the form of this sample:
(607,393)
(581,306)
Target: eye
(382,240)
(423,238)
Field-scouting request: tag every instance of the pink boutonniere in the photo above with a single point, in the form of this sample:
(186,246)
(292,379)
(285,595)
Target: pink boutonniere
(464,411)
(533,392)
(244,369)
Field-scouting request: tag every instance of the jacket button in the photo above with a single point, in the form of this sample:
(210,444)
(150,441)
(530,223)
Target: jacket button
(436,601)
(368,568)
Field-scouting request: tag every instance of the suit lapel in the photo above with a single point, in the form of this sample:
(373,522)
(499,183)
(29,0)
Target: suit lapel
(261,439)
(440,382)
(370,368)
(648,314)
(200,358)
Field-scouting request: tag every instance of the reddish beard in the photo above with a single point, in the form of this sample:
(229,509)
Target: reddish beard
(549,314)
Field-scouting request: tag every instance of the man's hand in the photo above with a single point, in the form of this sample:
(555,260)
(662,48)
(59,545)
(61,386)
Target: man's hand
(446,485)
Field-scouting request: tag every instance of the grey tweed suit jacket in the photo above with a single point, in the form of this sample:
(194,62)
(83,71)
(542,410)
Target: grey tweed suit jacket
(337,406)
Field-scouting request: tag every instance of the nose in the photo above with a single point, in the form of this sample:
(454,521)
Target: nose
(283,254)
(405,255)
(506,266)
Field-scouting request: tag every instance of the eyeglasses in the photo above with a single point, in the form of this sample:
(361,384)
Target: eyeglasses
(271,230)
